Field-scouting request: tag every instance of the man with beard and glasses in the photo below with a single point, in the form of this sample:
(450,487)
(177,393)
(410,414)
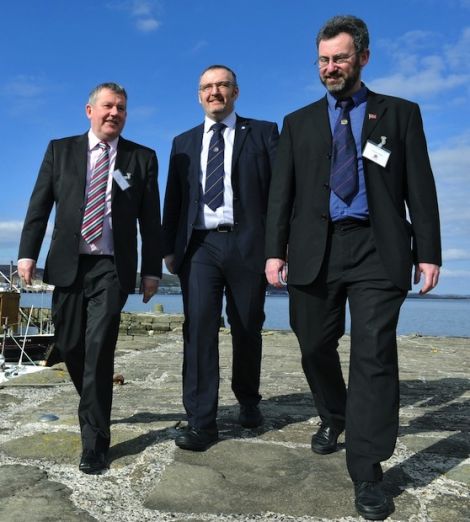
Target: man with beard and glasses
(348,169)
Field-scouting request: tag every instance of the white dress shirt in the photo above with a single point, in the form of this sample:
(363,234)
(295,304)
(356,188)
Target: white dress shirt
(104,244)
(208,218)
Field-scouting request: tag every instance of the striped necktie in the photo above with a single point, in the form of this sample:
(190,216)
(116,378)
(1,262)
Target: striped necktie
(93,217)
(343,174)
(214,190)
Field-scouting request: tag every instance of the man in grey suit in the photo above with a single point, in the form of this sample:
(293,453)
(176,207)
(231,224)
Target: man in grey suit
(101,185)
(213,234)
(348,168)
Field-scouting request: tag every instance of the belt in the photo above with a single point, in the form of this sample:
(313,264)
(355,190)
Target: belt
(348,223)
(219,228)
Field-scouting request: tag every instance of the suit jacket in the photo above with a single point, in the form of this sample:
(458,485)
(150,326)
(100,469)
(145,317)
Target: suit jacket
(253,156)
(62,181)
(298,214)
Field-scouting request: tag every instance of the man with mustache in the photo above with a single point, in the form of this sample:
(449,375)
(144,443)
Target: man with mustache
(213,231)
(102,186)
(348,168)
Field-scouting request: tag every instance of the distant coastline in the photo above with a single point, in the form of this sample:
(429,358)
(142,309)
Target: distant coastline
(170,285)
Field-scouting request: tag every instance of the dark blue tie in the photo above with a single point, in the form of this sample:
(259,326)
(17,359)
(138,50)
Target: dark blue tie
(343,175)
(214,190)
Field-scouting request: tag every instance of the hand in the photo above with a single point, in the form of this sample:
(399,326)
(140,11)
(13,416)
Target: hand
(149,288)
(170,263)
(276,270)
(27,270)
(431,276)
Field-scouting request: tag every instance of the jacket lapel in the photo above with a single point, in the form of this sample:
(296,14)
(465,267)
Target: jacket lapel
(123,157)
(242,128)
(80,155)
(375,109)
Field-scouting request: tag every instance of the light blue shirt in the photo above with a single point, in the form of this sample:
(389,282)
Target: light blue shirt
(356,208)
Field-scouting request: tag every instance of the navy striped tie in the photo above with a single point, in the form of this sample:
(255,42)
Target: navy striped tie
(343,174)
(214,189)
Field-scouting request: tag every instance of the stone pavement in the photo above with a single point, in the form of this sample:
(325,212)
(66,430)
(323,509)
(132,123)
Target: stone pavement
(267,474)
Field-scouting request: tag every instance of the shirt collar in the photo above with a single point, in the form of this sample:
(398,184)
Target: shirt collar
(93,141)
(358,97)
(230,121)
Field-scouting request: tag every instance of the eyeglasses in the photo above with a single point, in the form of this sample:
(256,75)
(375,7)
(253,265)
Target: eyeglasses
(337,59)
(222,86)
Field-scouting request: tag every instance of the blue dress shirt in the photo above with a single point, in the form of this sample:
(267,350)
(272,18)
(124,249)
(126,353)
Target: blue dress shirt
(357,208)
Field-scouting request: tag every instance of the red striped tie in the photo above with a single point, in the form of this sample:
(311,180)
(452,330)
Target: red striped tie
(92,225)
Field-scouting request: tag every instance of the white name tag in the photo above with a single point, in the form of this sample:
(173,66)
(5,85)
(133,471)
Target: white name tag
(376,154)
(120,180)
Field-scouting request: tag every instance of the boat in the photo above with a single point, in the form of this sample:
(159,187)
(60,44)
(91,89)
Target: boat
(26,343)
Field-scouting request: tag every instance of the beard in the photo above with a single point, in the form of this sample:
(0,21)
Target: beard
(344,82)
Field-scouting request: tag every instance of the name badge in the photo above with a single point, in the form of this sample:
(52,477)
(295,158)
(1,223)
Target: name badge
(376,153)
(120,180)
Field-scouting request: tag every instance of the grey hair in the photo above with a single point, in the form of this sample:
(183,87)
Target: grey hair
(349,24)
(211,67)
(115,87)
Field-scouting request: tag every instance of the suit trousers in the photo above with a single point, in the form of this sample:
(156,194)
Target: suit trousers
(352,271)
(86,318)
(212,266)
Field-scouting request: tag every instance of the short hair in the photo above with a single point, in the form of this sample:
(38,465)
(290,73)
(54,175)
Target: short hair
(349,24)
(115,87)
(216,66)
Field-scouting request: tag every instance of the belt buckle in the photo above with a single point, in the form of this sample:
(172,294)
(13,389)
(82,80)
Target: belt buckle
(224,228)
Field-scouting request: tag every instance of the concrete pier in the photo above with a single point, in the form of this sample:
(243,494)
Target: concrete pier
(268,474)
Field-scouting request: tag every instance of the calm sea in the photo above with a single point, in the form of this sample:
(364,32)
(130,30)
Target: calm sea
(439,317)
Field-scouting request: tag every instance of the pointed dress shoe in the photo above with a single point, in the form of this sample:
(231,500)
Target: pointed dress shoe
(371,502)
(325,440)
(197,439)
(93,462)
(250,416)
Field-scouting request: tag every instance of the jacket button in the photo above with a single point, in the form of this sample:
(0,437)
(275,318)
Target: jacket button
(324,216)
(326,185)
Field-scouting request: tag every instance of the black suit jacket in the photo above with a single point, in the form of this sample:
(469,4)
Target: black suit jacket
(62,181)
(253,156)
(298,212)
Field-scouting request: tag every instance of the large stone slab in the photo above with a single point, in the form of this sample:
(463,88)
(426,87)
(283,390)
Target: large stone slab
(253,478)
(26,493)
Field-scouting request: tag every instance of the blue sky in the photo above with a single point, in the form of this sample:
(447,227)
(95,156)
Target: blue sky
(53,52)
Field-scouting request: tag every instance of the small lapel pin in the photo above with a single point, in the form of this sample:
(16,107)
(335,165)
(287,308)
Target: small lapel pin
(243,127)
(372,116)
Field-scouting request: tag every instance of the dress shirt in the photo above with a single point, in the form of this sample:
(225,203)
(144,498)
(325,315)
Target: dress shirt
(208,218)
(357,207)
(104,244)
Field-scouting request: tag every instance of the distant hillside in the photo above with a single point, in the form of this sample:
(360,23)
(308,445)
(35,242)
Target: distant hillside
(168,280)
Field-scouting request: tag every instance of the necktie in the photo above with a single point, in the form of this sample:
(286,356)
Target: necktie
(214,190)
(343,174)
(93,217)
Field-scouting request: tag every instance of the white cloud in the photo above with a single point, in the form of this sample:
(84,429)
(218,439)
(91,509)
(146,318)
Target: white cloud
(456,254)
(146,25)
(10,230)
(143,12)
(198,46)
(23,86)
(424,65)
(448,273)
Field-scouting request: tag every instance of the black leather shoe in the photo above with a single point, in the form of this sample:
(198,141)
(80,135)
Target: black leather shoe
(250,416)
(93,462)
(325,440)
(371,501)
(196,439)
